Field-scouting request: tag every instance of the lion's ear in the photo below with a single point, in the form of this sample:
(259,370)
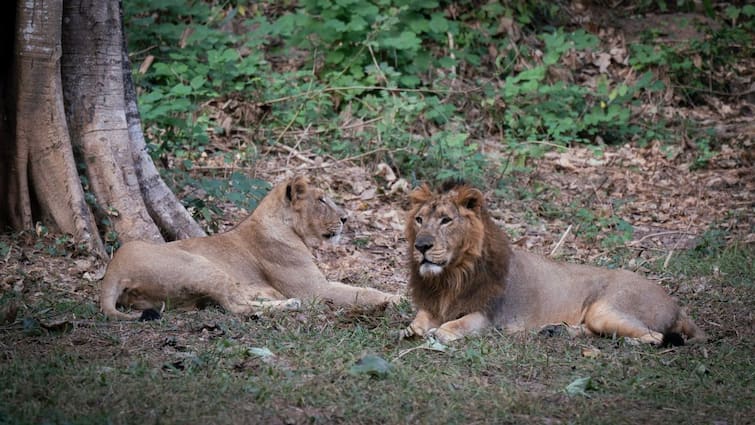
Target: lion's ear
(296,188)
(470,198)
(420,195)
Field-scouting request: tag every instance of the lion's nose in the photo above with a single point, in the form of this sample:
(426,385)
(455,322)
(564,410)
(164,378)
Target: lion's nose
(423,244)
(343,220)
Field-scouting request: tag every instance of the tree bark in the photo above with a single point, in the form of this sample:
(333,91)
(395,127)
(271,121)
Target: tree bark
(42,150)
(72,102)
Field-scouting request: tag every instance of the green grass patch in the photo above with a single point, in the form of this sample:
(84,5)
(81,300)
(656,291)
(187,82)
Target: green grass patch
(209,366)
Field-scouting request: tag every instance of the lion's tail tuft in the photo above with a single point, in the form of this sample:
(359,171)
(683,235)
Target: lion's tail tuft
(672,339)
(684,327)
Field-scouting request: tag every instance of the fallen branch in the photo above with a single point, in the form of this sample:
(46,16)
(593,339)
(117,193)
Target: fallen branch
(560,241)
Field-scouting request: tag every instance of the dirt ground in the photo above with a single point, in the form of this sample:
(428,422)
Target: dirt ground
(669,207)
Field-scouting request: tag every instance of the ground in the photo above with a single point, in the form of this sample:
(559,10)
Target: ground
(64,362)
(657,209)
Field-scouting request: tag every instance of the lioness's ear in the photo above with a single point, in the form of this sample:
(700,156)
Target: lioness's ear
(296,188)
(421,194)
(470,198)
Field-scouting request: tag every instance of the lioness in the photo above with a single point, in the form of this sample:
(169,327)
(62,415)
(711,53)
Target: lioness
(465,277)
(262,262)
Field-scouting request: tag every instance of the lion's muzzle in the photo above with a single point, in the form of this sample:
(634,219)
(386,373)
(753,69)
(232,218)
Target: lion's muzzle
(424,244)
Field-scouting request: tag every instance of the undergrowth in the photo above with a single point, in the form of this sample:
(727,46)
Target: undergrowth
(419,84)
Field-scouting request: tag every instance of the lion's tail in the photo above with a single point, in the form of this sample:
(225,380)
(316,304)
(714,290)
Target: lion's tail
(684,326)
(111,291)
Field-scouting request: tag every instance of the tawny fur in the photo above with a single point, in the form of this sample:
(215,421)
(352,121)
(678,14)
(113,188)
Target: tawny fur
(263,262)
(465,277)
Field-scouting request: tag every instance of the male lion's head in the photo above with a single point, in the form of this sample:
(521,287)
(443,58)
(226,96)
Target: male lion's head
(445,230)
(316,216)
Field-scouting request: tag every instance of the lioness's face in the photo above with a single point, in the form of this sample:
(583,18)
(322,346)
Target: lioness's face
(317,216)
(444,230)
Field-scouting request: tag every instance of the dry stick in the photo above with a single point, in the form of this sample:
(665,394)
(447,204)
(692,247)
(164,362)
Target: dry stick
(374,61)
(295,153)
(337,162)
(671,252)
(390,89)
(671,232)
(323,130)
(560,241)
(451,48)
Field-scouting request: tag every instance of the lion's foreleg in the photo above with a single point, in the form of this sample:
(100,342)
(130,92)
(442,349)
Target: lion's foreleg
(470,324)
(421,324)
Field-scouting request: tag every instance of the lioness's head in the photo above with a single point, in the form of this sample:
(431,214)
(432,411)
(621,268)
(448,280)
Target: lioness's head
(445,230)
(316,216)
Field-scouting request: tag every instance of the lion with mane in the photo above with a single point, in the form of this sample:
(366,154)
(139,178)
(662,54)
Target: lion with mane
(263,262)
(465,277)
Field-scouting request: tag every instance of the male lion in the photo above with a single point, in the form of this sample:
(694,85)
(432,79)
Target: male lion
(465,277)
(262,262)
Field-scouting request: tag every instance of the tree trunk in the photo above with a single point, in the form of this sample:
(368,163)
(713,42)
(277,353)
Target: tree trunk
(67,89)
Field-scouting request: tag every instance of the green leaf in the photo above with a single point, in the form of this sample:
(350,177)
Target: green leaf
(579,387)
(438,23)
(371,365)
(180,89)
(197,81)
(406,41)
(263,352)
(409,80)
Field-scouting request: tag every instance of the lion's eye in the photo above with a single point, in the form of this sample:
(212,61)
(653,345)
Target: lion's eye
(445,220)
(418,220)
(322,200)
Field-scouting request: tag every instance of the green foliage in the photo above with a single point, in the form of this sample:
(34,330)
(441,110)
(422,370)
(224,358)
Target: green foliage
(691,65)
(614,230)
(237,188)
(563,113)
(713,255)
(397,65)
(363,41)
(196,60)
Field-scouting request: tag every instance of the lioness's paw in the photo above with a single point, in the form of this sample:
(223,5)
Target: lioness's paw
(444,335)
(292,304)
(395,299)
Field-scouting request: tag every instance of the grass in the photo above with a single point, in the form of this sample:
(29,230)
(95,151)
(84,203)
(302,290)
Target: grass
(62,363)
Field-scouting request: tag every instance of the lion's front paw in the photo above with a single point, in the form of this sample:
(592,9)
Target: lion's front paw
(445,335)
(414,330)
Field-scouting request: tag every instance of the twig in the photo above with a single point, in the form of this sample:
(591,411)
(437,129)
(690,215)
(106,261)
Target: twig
(671,252)
(451,48)
(542,142)
(671,232)
(321,130)
(295,153)
(560,241)
(668,258)
(312,166)
(402,353)
(374,61)
(716,93)
(346,88)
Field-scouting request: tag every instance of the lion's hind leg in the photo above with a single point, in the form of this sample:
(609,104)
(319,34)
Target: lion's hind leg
(602,318)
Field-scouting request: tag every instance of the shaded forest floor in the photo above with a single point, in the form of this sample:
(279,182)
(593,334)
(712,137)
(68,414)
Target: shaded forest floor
(689,227)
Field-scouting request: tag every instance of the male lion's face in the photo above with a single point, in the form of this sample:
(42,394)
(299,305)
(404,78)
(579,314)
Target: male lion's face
(444,230)
(317,217)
